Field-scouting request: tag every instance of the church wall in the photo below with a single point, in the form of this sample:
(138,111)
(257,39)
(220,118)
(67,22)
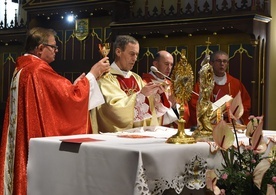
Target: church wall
(247,61)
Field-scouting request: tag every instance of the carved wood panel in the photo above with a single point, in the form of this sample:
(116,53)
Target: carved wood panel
(242,64)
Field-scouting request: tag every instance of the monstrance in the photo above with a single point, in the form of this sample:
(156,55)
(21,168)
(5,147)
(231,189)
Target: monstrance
(182,87)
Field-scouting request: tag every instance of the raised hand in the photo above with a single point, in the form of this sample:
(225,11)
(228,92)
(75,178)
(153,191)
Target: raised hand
(100,67)
(151,88)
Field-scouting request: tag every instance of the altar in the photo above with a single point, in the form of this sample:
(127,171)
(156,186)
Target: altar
(138,161)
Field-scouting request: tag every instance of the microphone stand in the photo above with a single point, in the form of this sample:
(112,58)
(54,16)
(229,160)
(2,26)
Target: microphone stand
(155,70)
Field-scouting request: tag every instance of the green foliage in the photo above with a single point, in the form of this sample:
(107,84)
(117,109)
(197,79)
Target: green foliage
(236,177)
(239,163)
(269,177)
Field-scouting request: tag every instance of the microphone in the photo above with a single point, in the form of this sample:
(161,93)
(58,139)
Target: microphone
(154,69)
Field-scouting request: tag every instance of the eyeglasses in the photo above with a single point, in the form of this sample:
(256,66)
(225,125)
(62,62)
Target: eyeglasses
(221,61)
(54,47)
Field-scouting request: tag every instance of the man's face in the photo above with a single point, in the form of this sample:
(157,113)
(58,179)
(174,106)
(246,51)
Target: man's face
(164,64)
(49,50)
(128,57)
(220,64)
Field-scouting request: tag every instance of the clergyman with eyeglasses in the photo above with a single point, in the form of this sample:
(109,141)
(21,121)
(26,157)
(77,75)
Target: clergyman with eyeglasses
(224,84)
(43,103)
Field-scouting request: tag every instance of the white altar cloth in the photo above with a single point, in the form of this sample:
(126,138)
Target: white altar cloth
(114,164)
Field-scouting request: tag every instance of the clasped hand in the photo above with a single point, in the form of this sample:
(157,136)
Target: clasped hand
(152,88)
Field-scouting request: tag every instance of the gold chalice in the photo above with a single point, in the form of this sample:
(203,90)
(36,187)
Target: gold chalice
(104,49)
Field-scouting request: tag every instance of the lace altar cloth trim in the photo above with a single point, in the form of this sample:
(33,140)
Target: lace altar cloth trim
(193,177)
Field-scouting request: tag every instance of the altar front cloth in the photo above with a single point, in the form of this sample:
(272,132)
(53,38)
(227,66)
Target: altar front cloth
(135,162)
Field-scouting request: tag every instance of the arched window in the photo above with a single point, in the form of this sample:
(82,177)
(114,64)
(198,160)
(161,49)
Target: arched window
(8,10)
(11,10)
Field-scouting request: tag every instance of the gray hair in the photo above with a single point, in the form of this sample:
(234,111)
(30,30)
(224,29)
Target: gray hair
(37,36)
(122,40)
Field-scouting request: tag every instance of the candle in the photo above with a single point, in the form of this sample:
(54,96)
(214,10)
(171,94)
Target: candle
(218,114)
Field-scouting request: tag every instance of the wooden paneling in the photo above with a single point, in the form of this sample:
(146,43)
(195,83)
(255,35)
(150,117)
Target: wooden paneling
(237,27)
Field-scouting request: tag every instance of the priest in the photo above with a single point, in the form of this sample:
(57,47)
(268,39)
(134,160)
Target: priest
(42,103)
(129,101)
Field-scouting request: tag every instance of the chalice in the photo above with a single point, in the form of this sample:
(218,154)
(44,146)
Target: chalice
(104,49)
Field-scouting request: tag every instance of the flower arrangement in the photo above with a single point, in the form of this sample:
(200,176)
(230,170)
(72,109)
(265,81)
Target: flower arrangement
(246,168)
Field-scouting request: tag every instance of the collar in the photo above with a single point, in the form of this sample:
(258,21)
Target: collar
(30,54)
(220,80)
(116,70)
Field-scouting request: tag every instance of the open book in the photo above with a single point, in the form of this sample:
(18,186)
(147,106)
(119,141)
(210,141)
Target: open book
(221,103)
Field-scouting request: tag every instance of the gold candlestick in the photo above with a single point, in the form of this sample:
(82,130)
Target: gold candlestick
(182,87)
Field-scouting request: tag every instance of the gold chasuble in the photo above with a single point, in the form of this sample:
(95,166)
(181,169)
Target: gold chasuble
(124,105)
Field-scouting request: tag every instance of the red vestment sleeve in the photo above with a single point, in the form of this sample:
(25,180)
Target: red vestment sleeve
(47,105)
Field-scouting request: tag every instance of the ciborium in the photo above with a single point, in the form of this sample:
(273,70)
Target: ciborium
(182,87)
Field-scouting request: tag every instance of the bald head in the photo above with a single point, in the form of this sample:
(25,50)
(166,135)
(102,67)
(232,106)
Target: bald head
(163,61)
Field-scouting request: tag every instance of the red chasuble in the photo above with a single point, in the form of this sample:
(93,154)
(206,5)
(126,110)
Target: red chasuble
(47,105)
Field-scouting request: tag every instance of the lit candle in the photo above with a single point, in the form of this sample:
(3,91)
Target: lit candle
(218,114)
